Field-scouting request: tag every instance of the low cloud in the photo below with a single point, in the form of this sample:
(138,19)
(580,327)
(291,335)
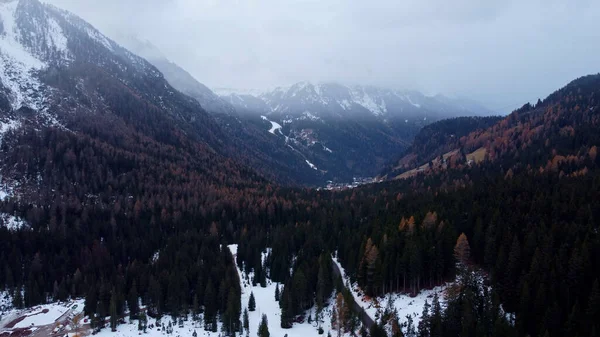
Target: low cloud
(501,53)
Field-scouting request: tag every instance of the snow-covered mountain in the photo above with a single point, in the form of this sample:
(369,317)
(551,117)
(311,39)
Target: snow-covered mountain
(57,72)
(345,131)
(333,100)
(47,56)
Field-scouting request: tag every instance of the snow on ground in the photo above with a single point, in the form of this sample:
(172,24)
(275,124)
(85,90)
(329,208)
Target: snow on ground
(130,329)
(17,65)
(38,316)
(266,304)
(359,96)
(274,125)
(10,221)
(404,304)
(312,166)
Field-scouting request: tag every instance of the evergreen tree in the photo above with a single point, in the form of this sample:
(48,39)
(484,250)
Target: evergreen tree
(435,325)
(132,302)
(287,309)
(251,302)
(246,322)
(593,309)
(210,306)
(277,292)
(263,328)
(410,327)
(424,323)
(113,312)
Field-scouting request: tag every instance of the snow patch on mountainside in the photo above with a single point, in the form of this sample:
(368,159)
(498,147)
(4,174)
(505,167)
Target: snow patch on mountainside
(274,125)
(359,96)
(18,66)
(7,126)
(312,166)
(407,99)
(57,37)
(308,115)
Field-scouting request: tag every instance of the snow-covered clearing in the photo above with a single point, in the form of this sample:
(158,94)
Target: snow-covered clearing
(49,313)
(266,304)
(42,317)
(274,125)
(404,304)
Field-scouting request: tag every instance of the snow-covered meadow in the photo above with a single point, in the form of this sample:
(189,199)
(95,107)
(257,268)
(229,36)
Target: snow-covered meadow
(404,304)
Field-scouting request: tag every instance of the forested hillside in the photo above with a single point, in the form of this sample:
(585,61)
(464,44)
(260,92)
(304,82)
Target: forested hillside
(151,223)
(435,140)
(123,191)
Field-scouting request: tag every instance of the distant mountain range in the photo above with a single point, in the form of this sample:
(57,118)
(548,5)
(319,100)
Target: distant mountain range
(312,133)
(333,100)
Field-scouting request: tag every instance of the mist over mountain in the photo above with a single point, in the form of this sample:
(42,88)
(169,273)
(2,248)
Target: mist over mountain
(134,200)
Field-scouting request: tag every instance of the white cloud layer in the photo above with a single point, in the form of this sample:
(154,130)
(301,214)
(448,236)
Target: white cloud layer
(500,52)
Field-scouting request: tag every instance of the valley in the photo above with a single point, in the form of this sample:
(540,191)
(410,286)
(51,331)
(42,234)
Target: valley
(136,201)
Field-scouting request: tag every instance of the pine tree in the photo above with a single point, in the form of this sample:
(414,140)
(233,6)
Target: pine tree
(18,299)
(246,322)
(232,314)
(210,306)
(593,309)
(132,302)
(286,309)
(263,328)
(113,312)
(435,326)
(251,302)
(340,314)
(424,323)
(277,292)
(410,327)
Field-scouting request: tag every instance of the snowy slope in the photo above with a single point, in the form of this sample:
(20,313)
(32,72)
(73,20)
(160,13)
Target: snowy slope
(404,304)
(275,127)
(266,304)
(18,65)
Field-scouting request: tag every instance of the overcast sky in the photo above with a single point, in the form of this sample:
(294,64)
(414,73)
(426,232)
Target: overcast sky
(502,53)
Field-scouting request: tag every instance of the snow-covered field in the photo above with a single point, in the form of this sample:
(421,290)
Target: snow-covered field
(266,304)
(274,125)
(39,318)
(44,315)
(404,304)
(49,313)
